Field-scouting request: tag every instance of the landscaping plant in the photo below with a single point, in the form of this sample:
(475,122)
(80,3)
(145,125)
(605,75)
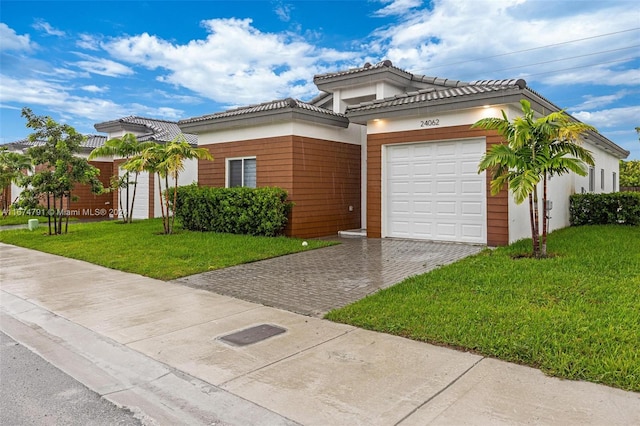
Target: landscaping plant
(535,149)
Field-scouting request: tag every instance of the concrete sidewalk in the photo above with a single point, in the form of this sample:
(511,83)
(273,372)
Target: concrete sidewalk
(155,347)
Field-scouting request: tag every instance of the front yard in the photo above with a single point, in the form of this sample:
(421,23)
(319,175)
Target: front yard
(139,248)
(576,315)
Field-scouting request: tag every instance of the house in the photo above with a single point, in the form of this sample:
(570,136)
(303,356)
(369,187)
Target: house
(86,204)
(391,153)
(147,202)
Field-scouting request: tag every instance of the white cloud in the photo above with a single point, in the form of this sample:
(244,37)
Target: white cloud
(88,41)
(480,39)
(9,40)
(57,97)
(102,66)
(94,89)
(397,7)
(592,102)
(43,25)
(610,118)
(283,11)
(265,66)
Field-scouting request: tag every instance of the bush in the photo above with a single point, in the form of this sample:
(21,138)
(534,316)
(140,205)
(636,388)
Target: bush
(603,209)
(252,211)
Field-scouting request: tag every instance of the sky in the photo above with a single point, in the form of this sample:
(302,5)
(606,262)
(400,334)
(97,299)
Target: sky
(86,62)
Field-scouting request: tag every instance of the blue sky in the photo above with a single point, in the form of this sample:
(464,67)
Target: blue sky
(84,62)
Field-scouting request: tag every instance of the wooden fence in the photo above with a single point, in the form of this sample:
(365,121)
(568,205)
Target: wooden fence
(630,189)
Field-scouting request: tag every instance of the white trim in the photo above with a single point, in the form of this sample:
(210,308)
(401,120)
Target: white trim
(226,169)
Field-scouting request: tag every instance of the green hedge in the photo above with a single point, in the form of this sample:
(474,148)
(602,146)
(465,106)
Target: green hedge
(252,211)
(602,209)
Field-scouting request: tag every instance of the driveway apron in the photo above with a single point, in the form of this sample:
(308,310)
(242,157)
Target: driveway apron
(316,281)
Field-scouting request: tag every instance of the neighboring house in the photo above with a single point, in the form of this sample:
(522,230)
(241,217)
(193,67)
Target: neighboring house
(147,202)
(391,152)
(87,205)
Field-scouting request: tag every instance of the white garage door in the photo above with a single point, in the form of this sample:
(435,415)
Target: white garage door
(433,191)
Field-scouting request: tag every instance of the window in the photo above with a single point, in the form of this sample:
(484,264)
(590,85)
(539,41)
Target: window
(241,172)
(602,179)
(615,182)
(592,179)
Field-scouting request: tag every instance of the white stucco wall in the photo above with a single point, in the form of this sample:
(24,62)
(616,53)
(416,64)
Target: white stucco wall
(351,135)
(559,189)
(188,176)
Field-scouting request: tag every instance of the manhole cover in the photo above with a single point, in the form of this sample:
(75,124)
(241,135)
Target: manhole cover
(252,335)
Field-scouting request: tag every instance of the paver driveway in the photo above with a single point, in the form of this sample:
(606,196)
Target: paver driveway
(317,281)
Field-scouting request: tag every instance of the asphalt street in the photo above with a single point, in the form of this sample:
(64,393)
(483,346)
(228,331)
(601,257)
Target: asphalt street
(33,392)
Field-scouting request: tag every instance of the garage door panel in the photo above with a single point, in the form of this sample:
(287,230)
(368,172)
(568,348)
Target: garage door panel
(400,169)
(446,168)
(446,187)
(472,148)
(422,207)
(445,150)
(422,170)
(400,207)
(471,231)
(446,207)
(422,188)
(445,230)
(471,187)
(470,208)
(433,191)
(469,167)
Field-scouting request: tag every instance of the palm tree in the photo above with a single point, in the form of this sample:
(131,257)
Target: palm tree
(167,161)
(535,149)
(177,151)
(12,167)
(125,147)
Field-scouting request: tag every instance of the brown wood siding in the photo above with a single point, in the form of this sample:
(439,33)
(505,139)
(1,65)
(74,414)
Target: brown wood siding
(322,179)
(89,205)
(497,206)
(326,182)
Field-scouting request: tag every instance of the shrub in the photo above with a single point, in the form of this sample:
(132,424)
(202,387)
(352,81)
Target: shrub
(252,211)
(603,209)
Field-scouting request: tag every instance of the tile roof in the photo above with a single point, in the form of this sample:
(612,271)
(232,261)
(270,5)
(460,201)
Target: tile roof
(457,89)
(91,142)
(367,67)
(280,104)
(159,130)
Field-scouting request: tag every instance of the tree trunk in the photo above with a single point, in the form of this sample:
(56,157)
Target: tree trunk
(545,219)
(133,199)
(126,213)
(536,224)
(161,201)
(48,211)
(167,228)
(66,223)
(175,199)
(60,212)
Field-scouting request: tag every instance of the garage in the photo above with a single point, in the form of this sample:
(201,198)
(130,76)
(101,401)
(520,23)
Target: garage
(432,191)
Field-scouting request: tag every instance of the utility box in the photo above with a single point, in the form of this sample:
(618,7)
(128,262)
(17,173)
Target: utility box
(32,224)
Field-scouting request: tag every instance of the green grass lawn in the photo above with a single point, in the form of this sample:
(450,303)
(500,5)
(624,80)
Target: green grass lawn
(20,219)
(139,248)
(575,315)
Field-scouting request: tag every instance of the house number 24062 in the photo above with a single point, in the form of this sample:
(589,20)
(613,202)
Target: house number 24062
(430,123)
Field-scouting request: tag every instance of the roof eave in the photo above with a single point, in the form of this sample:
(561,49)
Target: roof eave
(435,106)
(392,74)
(262,118)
